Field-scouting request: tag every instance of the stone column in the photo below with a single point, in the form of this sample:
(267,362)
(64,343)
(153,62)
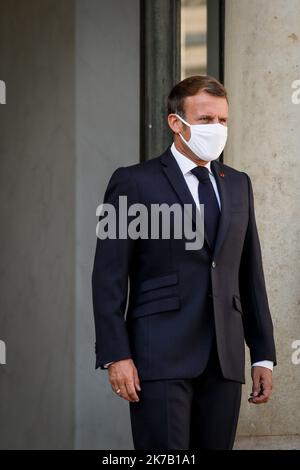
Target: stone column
(262,60)
(160,70)
(71,117)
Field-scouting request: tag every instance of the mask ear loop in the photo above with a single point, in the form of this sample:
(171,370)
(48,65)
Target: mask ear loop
(182,120)
(187,124)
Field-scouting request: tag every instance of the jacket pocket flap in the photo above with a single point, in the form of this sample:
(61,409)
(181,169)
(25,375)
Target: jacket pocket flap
(156,282)
(156,306)
(237,303)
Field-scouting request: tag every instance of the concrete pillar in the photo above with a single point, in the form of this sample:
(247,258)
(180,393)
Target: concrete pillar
(71,117)
(262,60)
(37,236)
(160,45)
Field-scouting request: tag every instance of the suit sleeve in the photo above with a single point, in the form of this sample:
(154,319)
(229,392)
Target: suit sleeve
(257,320)
(110,279)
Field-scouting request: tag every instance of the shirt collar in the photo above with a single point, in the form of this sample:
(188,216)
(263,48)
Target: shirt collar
(185,164)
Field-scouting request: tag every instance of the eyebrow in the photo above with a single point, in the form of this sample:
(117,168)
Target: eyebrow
(211,116)
(206,116)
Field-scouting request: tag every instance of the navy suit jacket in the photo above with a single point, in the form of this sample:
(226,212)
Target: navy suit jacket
(161,304)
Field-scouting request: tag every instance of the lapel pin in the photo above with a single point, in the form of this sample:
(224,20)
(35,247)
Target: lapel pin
(222,174)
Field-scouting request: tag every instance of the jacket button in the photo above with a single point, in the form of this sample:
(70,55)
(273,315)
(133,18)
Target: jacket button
(213,264)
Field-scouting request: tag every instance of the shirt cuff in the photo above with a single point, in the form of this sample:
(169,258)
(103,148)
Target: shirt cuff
(107,364)
(267,364)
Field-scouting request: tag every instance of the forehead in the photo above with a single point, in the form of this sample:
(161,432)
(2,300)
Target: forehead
(205,103)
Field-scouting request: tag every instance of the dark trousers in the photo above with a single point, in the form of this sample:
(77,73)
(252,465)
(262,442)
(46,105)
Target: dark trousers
(197,413)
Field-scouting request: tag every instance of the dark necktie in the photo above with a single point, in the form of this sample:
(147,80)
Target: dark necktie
(207,197)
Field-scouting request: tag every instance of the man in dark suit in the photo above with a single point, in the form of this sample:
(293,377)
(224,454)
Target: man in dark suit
(177,352)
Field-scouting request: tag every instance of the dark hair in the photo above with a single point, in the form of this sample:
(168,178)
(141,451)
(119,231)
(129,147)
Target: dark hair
(191,86)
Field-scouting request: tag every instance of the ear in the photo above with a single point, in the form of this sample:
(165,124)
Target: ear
(175,124)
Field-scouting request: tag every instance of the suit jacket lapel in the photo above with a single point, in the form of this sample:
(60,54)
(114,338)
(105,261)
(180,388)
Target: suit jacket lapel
(177,181)
(224,192)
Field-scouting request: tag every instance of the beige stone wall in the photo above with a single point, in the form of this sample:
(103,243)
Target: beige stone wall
(262,57)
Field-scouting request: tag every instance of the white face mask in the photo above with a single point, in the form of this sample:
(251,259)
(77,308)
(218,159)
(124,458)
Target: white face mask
(207,141)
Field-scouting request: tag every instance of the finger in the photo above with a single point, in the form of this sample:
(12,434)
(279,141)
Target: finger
(114,384)
(123,392)
(256,386)
(131,391)
(136,379)
(263,397)
(267,388)
(258,400)
(266,393)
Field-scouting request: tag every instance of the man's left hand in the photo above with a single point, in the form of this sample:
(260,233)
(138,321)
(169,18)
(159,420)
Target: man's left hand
(262,378)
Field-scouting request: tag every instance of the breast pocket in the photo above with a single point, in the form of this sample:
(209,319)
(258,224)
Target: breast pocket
(156,295)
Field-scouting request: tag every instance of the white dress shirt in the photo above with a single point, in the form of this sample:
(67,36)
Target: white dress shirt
(186,165)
